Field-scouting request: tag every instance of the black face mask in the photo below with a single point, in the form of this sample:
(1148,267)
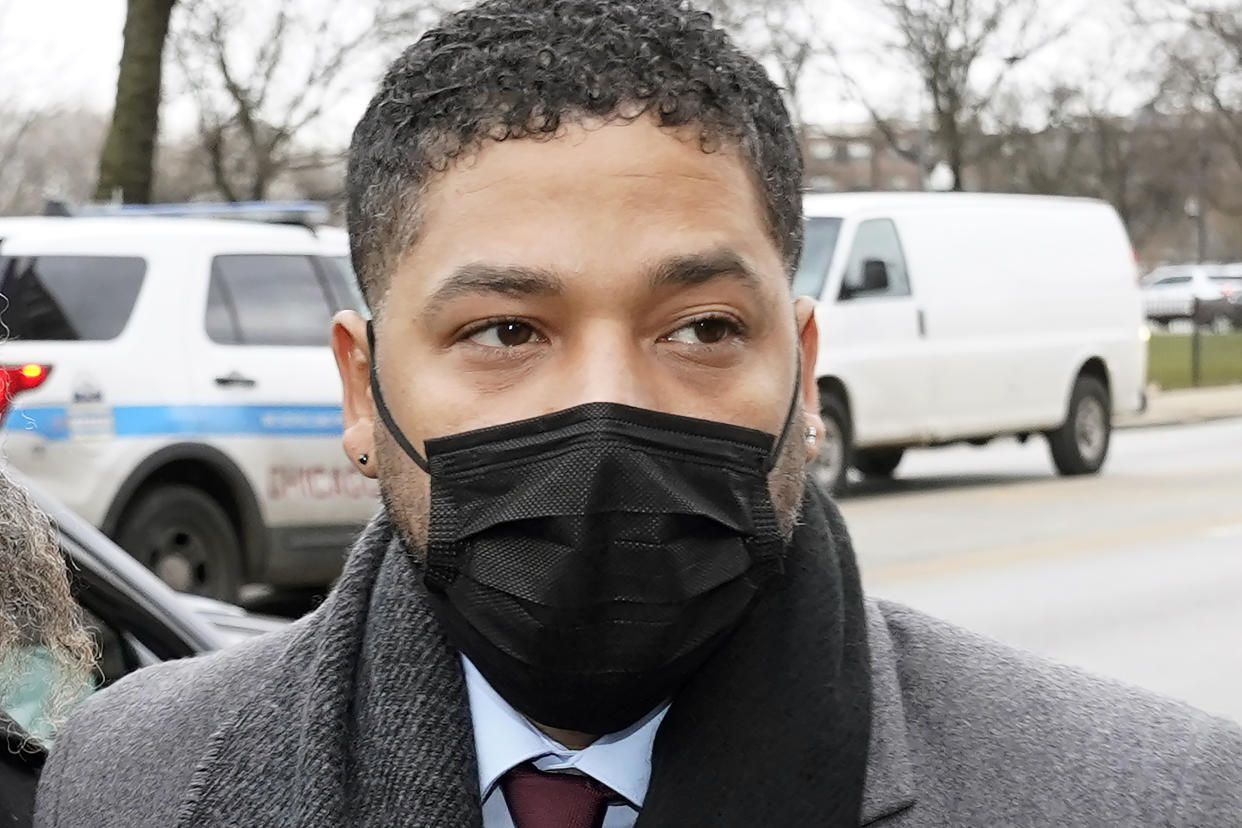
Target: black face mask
(589,561)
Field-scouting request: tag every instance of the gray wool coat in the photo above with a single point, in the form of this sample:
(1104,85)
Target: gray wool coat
(965,732)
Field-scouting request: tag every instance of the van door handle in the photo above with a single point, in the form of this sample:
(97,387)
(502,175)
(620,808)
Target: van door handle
(235,380)
(922,324)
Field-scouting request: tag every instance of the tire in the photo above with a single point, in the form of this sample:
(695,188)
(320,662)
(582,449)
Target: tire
(835,456)
(1080,446)
(878,463)
(186,538)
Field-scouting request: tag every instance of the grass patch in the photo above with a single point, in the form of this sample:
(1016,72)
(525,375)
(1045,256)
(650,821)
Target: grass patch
(1169,359)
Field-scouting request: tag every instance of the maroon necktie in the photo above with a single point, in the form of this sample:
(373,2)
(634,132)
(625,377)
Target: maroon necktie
(555,800)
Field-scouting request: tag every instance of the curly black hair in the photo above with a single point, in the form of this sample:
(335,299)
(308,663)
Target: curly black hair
(521,68)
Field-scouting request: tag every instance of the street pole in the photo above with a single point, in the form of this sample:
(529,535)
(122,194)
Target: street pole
(1200,197)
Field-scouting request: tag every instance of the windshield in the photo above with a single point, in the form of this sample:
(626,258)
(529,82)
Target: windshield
(818,246)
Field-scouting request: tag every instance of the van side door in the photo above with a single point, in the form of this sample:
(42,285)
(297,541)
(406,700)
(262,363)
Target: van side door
(871,337)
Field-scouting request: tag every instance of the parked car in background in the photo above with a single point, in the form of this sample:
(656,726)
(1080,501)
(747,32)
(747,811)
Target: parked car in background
(170,380)
(1206,294)
(134,617)
(950,317)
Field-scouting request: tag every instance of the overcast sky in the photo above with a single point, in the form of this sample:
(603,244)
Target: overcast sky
(65,52)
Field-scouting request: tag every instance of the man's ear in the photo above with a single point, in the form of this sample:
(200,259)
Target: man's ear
(353,361)
(808,346)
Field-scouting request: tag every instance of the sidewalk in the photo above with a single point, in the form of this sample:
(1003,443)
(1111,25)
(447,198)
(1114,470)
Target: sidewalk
(1191,405)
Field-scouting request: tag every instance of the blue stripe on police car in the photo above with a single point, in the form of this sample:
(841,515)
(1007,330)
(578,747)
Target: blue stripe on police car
(54,423)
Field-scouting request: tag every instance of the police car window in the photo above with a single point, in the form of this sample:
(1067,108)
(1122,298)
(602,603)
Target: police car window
(267,300)
(339,275)
(877,265)
(819,243)
(222,324)
(68,297)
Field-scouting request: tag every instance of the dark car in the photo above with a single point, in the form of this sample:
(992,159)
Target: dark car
(1231,286)
(136,619)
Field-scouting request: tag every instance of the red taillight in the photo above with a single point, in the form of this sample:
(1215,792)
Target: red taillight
(15,379)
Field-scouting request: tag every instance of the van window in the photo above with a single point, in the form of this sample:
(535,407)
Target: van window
(819,243)
(267,300)
(70,298)
(877,265)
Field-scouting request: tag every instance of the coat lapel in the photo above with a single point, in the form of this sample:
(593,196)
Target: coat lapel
(890,787)
(360,721)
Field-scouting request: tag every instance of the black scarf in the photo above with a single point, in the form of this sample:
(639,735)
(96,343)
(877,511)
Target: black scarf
(370,724)
(774,730)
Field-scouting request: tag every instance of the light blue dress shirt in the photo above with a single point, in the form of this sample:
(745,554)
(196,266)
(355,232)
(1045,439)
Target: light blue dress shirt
(504,738)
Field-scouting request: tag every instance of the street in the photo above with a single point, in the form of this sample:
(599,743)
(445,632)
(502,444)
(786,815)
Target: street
(1135,574)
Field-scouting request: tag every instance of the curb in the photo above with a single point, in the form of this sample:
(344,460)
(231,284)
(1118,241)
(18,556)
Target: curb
(1165,422)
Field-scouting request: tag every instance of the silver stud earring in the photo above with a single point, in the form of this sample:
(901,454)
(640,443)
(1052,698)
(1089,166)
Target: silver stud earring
(363,458)
(812,434)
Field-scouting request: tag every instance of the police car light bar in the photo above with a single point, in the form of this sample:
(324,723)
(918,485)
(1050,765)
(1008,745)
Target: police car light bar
(304,213)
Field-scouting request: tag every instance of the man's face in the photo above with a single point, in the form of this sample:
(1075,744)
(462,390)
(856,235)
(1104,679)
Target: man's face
(614,264)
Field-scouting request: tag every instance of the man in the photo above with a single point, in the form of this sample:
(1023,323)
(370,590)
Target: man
(598,592)
(46,655)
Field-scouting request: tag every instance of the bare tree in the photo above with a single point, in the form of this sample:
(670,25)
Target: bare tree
(128,159)
(947,44)
(47,154)
(1204,68)
(784,34)
(262,78)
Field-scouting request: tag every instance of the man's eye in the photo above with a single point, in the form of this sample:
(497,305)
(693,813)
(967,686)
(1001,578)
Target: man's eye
(508,334)
(707,331)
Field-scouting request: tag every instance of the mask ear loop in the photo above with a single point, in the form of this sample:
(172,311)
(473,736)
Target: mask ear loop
(775,456)
(385,414)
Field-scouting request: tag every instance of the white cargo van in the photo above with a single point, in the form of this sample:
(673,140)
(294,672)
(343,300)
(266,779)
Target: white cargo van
(948,317)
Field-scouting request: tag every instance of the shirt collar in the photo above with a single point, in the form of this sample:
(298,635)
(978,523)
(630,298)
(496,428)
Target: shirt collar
(504,738)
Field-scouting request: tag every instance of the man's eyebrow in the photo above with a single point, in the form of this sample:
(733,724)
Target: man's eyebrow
(481,278)
(698,268)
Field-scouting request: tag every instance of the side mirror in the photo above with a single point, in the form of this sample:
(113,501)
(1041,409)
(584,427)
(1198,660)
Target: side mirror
(875,276)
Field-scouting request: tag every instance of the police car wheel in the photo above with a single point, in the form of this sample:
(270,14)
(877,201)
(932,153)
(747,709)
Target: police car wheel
(184,536)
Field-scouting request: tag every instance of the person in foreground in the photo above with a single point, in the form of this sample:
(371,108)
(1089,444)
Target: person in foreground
(600,591)
(46,655)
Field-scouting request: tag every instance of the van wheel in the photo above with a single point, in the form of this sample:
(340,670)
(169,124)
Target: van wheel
(835,454)
(1081,444)
(878,463)
(186,538)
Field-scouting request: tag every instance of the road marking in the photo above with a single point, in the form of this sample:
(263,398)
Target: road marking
(1044,550)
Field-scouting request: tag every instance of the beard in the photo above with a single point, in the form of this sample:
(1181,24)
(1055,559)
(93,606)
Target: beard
(37,609)
(406,494)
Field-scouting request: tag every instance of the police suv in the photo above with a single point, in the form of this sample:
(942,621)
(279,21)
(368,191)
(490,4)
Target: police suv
(170,380)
